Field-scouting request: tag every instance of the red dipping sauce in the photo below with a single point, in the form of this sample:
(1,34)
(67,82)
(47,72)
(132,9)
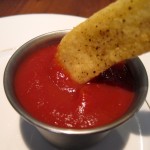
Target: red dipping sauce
(47,93)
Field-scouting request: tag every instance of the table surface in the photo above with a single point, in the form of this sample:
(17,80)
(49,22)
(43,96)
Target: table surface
(83,8)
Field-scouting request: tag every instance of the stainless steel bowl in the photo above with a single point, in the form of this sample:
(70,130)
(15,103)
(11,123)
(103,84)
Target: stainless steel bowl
(70,138)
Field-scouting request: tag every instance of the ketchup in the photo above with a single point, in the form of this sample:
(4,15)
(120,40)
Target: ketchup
(46,91)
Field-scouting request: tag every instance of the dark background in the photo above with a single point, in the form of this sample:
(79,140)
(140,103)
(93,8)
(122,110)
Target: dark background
(83,8)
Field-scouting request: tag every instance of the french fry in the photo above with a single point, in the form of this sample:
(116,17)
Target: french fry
(118,32)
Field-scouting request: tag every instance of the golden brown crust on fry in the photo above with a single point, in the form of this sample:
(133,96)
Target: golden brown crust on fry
(119,31)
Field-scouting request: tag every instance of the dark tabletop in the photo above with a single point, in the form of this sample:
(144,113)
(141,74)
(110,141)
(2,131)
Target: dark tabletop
(83,8)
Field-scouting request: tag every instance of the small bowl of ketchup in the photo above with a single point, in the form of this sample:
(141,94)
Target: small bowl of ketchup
(68,114)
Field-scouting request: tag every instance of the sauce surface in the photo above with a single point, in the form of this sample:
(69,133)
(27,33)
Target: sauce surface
(48,94)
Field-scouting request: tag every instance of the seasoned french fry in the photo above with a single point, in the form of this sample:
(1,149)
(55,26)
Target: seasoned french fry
(118,32)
